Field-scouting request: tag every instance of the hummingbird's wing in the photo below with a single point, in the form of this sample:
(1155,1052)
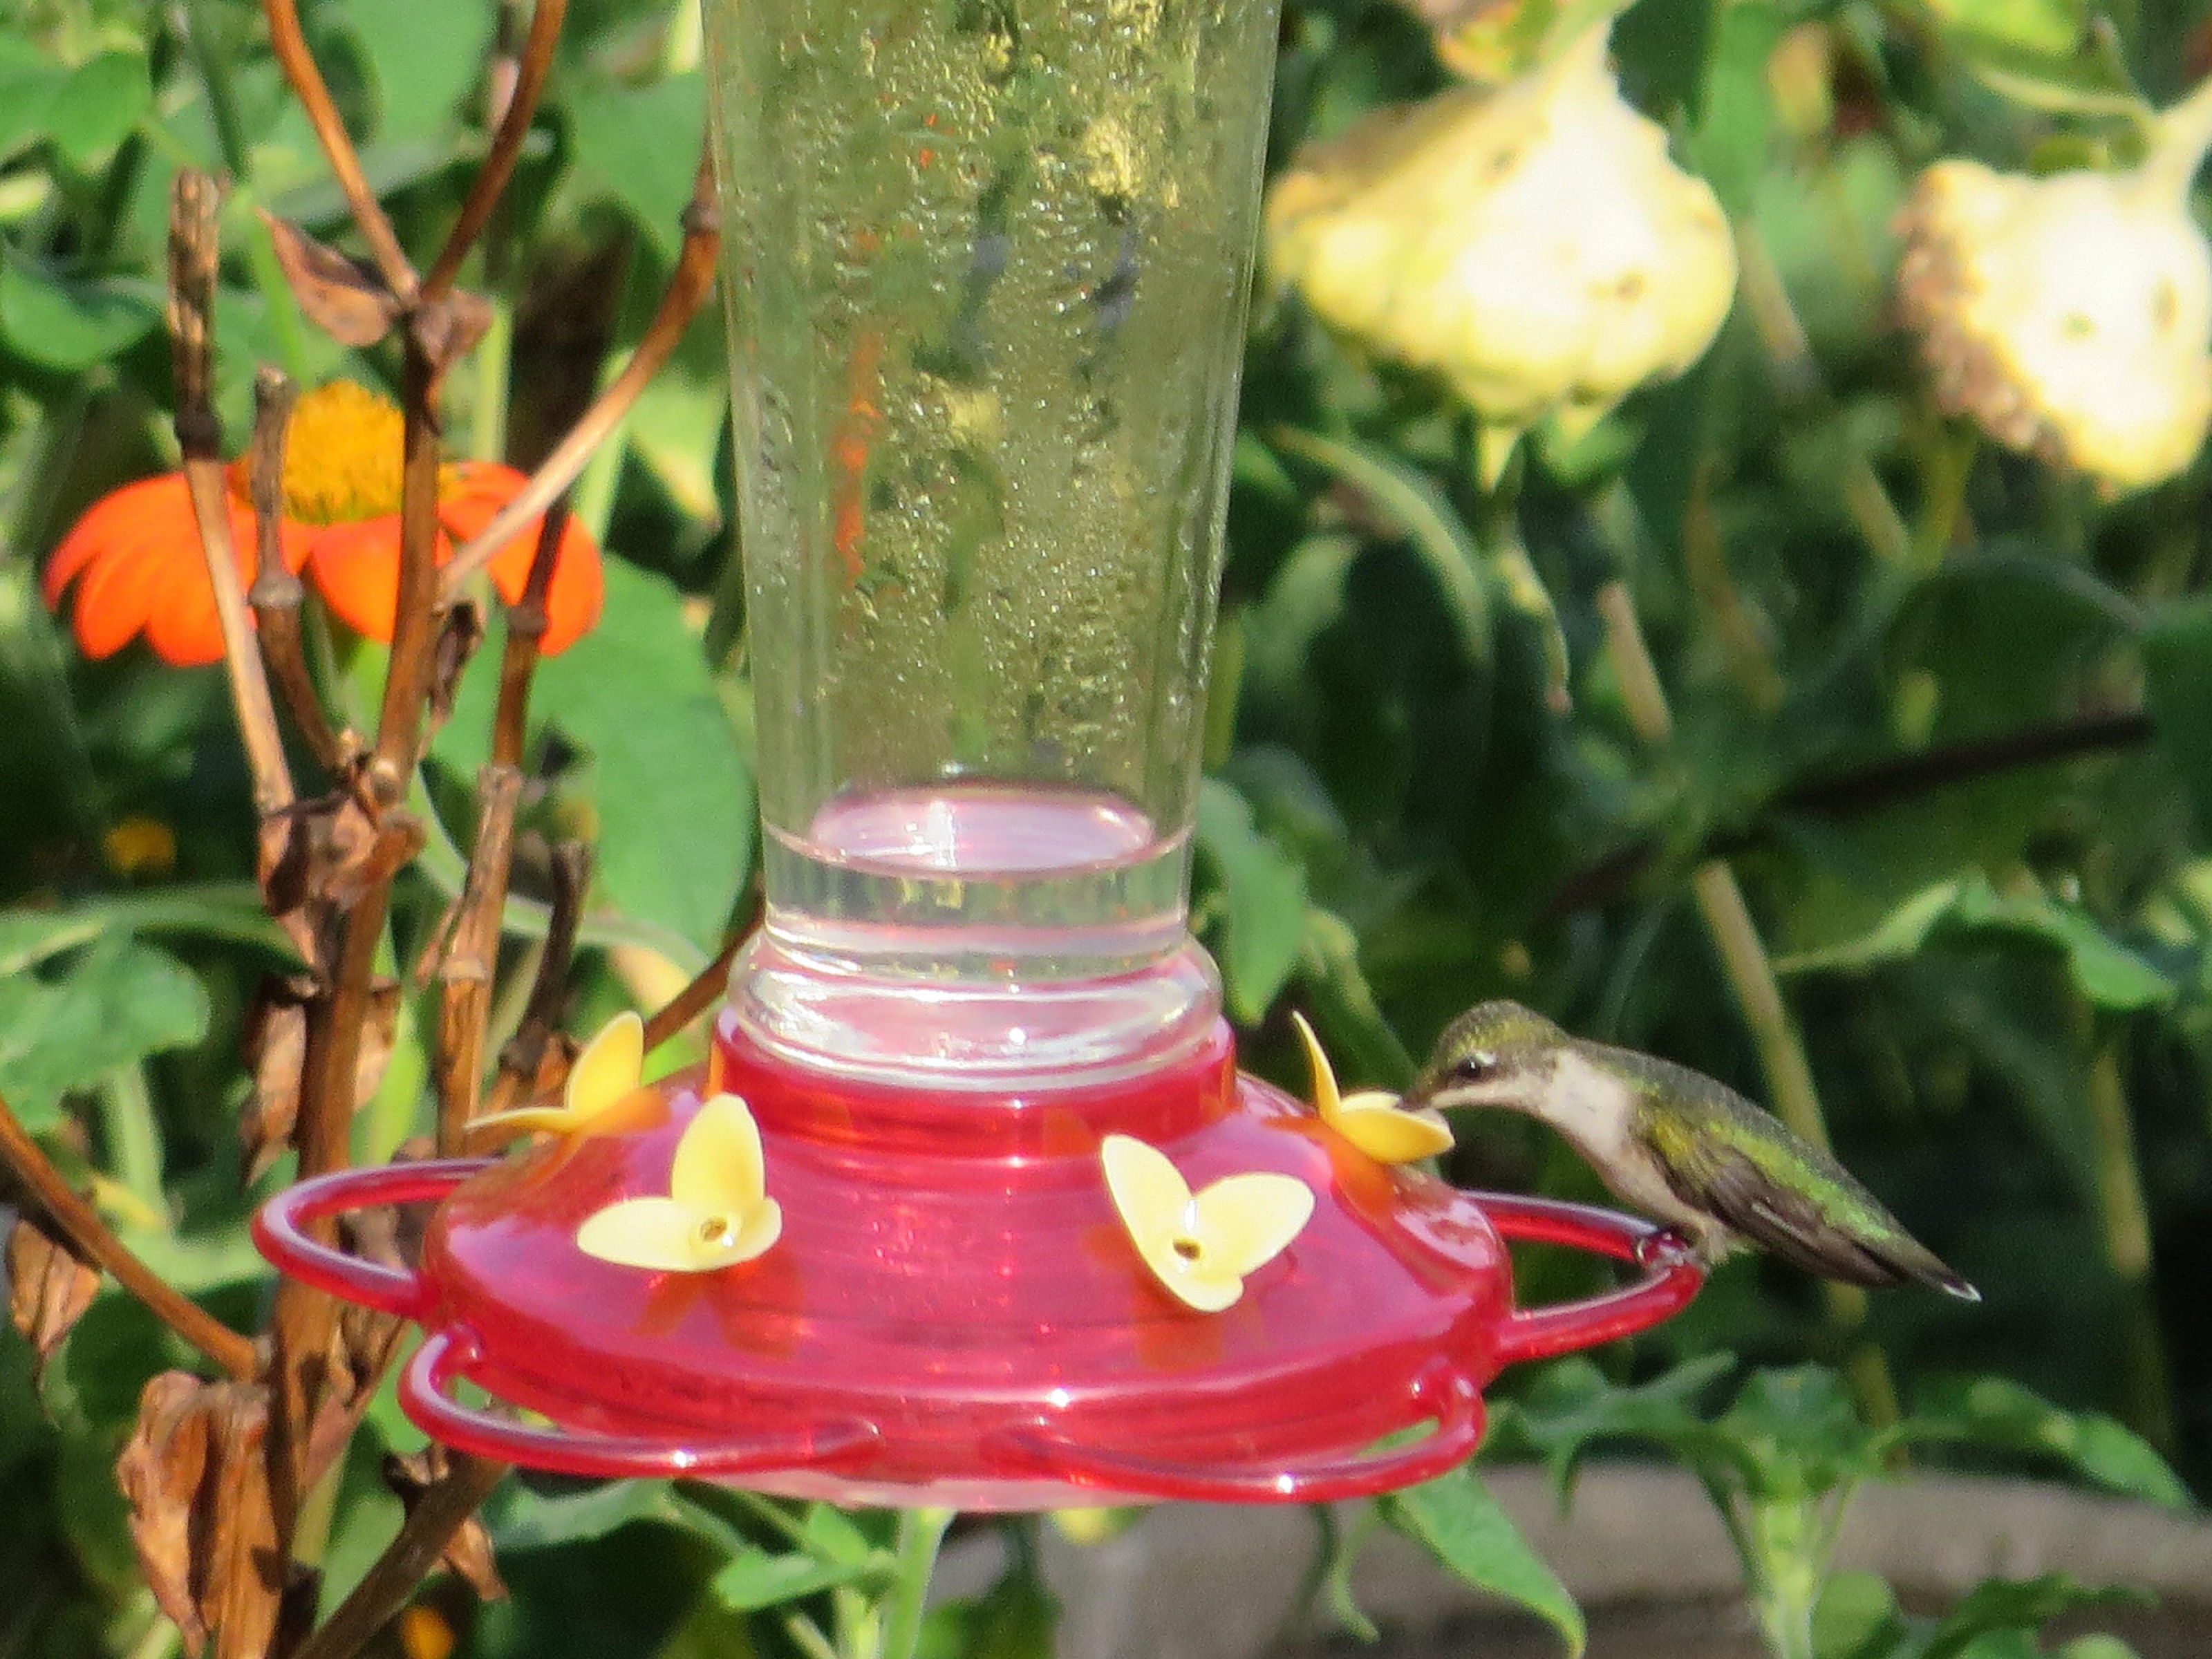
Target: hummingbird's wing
(1835,1229)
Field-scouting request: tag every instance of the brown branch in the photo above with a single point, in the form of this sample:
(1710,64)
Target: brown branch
(443,1508)
(277,593)
(526,630)
(687,290)
(695,999)
(414,623)
(1869,789)
(522,1057)
(298,64)
(1887,782)
(193,251)
(60,1204)
(465,975)
(490,182)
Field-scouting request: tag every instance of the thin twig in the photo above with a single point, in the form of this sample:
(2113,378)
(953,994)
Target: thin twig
(59,1203)
(687,291)
(414,623)
(465,974)
(290,46)
(522,1057)
(276,594)
(490,182)
(695,999)
(1872,788)
(193,251)
(442,1511)
(527,622)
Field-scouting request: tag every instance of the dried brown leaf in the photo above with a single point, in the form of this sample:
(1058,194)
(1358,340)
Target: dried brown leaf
(196,1478)
(49,1288)
(468,1555)
(459,635)
(343,297)
(448,331)
(277,1053)
(161,1471)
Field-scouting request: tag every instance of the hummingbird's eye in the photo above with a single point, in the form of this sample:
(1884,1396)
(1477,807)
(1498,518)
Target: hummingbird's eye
(1475,1066)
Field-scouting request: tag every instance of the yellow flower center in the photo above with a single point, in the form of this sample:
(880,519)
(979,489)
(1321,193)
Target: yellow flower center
(341,456)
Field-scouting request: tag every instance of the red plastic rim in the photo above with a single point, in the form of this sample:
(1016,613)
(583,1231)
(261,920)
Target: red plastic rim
(959,1319)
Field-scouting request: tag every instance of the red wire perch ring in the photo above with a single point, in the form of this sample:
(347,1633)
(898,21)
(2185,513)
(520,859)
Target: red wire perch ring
(1454,1408)
(279,1231)
(280,1234)
(1672,1276)
(445,1355)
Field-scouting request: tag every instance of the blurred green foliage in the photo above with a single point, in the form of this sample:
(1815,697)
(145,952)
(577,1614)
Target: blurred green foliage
(2002,970)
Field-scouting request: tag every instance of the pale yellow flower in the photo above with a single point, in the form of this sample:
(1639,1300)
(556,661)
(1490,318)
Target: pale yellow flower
(1531,242)
(608,1072)
(2071,315)
(717,1213)
(1371,1119)
(1200,1248)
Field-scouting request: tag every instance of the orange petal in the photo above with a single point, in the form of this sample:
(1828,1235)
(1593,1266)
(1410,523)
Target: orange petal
(137,550)
(356,568)
(117,594)
(573,603)
(181,624)
(120,515)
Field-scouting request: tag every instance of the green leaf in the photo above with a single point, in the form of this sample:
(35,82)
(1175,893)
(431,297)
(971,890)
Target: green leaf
(1856,1618)
(1306,596)
(426,55)
(2177,658)
(109,1008)
(832,1534)
(2003,1604)
(2048,54)
(1800,1430)
(28,938)
(1017,1619)
(30,82)
(2108,973)
(1459,1523)
(542,1512)
(1737,119)
(69,326)
(761,1578)
(1422,515)
(640,147)
(1995,1413)
(99,105)
(1264,895)
(2097,1645)
(1572,1406)
(665,777)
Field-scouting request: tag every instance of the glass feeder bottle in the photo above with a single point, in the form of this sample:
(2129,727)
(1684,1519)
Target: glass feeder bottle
(986,282)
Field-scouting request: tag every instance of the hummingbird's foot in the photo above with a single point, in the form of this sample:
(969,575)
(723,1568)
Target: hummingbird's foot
(1665,1247)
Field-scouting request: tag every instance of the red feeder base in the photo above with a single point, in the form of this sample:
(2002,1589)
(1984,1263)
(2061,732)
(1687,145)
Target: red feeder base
(954,1313)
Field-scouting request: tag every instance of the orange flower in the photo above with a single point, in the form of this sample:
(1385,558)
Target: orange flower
(136,556)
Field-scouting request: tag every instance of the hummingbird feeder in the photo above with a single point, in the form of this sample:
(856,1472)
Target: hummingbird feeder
(1003,1226)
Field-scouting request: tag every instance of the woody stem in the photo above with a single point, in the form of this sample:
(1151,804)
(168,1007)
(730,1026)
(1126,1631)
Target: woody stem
(687,291)
(96,1242)
(192,256)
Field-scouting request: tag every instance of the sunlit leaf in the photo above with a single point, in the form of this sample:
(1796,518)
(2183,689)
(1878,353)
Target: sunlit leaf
(1264,899)
(1458,1521)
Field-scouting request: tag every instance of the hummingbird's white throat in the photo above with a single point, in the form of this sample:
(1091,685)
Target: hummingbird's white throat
(1590,1106)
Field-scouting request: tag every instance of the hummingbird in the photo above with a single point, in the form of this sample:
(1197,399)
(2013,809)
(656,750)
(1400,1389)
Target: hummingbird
(1690,1152)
